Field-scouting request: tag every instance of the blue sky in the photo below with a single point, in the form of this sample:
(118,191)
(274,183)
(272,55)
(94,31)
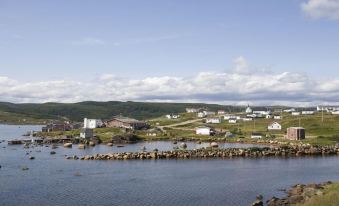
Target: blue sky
(79,40)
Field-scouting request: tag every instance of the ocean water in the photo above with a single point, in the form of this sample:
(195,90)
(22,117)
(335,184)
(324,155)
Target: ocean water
(53,180)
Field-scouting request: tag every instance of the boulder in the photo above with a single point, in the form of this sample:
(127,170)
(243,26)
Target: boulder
(81,146)
(214,144)
(31,158)
(68,145)
(110,144)
(92,144)
(183,145)
(52,152)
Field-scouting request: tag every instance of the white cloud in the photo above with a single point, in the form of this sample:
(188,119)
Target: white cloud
(321,9)
(240,87)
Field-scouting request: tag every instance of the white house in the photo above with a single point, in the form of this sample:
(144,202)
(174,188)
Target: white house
(203,131)
(249,109)
(262,112)
(335,112)
(92,123)
(252,115)
(256,135)
(295,113)
(208,113)
(289,110)
(232,121)
(221,112)
(274,126)
(201,115)
(268,116)
(277,117)
(213,120)
(307,112)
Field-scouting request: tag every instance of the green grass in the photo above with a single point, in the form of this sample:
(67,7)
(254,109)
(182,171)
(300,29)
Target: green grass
(330,197)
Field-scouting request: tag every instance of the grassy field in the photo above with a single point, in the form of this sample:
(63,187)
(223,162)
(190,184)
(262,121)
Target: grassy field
(319,130)
(330,197)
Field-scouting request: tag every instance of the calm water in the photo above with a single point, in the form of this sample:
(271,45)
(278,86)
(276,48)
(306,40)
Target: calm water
(52,180)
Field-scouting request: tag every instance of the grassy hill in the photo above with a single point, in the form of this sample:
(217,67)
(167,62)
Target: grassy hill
(39,113)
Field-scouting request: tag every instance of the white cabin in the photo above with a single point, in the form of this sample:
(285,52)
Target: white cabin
(274,126)
(213,120)
(277,117)
(232,121)
(92,123)
(203,131)
(295,113)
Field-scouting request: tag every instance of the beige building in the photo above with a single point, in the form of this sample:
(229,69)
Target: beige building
(295,133)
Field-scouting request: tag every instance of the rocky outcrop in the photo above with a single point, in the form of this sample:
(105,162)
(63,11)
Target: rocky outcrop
(298,194)
(254,152)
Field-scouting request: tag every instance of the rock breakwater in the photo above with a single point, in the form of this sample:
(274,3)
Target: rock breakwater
(207,153)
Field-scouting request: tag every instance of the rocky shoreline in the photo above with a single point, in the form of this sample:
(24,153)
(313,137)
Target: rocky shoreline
(209,153)
(298,194)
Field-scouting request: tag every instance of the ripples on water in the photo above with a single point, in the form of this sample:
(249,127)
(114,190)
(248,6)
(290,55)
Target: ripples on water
(52,180)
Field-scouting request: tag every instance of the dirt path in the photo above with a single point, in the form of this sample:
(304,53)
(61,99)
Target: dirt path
(180,124)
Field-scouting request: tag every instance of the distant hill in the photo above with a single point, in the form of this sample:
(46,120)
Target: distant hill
(11,112)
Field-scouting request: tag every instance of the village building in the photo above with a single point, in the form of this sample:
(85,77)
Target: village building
(295,113)
(249,109)
(192,110)
(92,123)
(327,108)
(201,115)
(125,122)
(262,112)
(252,115)
(307,112)
(247,119)
(268,116)
(208,113)
(227,117)
(256,135)
(203,131)
(173,116)
(295,133)
(221,112)
(289,110)
(213,120)
(56,127)
(232,121)
(277,117)
(335,112)
(86,133)
(274,126)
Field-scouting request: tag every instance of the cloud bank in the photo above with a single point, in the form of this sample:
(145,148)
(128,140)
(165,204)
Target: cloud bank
(322,9)
(241,85)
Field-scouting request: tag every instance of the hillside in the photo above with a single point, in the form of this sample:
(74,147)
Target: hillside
(38,113)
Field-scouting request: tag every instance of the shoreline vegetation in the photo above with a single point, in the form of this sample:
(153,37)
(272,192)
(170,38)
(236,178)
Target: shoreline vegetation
(323,194)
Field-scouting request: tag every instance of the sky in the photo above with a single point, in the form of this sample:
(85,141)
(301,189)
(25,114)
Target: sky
(260,52)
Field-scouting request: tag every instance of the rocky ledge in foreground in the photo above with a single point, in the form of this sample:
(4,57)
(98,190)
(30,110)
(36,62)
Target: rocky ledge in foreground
(284,151)
(296,195)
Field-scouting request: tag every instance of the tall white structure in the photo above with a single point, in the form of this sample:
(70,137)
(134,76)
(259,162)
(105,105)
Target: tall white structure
(249,109)
(92,123)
